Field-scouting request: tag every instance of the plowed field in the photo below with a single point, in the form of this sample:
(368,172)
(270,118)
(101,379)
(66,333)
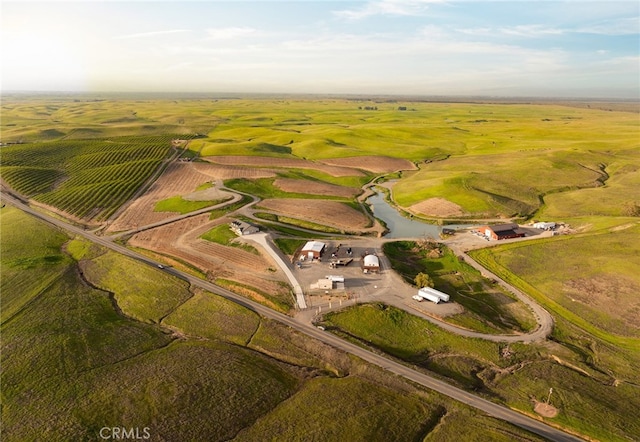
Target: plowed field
(179,179)
(375,164)
(439,207)
(222,172)
(314,188)
(182,240)
(330,213)
(294,163)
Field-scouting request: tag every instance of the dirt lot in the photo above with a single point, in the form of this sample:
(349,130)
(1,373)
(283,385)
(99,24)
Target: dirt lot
(385,286)
(375,164)
(330,213)
(274,162)
(314,188)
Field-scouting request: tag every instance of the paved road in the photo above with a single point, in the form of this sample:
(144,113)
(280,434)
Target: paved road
(490,408)
(264,241)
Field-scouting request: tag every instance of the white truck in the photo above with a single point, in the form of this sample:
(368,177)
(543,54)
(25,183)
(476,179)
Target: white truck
(428,296)
(433,292)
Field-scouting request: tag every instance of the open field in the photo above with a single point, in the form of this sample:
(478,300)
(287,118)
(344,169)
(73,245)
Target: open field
(85,158)
(514,374)
(182,241)
(179,179)
(597,287)
(487,308)
(73,364)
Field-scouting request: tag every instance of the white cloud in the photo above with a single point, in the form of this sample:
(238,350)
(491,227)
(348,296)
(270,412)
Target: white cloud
(229,33)
(150,34)
(387,7)
(623,26)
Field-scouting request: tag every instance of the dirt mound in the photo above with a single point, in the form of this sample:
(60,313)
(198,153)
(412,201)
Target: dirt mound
(314,187)
(439,207)
(251,161)
(376,164)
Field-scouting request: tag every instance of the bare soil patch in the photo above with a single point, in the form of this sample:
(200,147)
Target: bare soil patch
(210,194)
(375,164)
(439,207)
(314,187)
(271,162)
(330,213)
(544,409)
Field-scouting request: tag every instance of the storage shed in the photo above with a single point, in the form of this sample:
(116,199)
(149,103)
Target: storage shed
(313,249)
(371,263)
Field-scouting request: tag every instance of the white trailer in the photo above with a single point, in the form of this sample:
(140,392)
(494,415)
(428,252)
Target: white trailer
(443,296)
(429,297)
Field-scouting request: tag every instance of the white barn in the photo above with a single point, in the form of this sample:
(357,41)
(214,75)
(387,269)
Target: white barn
(371,263)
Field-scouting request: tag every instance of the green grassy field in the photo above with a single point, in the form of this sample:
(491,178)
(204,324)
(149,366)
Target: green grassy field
(595,280)
(488,308)
(223,235)
(180,205)
(64,339)
(72,364)
(511,374)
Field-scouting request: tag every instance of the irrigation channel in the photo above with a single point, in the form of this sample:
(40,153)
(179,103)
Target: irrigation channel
(398,225)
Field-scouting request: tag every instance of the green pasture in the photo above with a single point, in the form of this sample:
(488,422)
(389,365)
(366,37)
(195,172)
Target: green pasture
(289,246)
(223,235)
(488,308)
(29,248)
(141,291)
(583,388)
(180,205)
(595,279)
(397,416)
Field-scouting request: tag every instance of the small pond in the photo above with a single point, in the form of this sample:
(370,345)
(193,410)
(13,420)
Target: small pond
(398,225)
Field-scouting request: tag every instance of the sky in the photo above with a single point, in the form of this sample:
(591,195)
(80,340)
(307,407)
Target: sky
(543,48)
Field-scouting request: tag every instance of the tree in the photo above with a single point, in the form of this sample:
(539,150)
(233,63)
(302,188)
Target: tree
(423,280)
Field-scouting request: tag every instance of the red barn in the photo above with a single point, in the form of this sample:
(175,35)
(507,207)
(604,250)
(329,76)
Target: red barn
(502,231)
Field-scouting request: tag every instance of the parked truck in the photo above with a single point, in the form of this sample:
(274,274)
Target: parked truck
(433,292)
(428,296)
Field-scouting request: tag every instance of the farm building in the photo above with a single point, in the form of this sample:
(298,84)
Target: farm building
(371,264)
(241,228)
(329,282)
(502,231)
(313,249)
